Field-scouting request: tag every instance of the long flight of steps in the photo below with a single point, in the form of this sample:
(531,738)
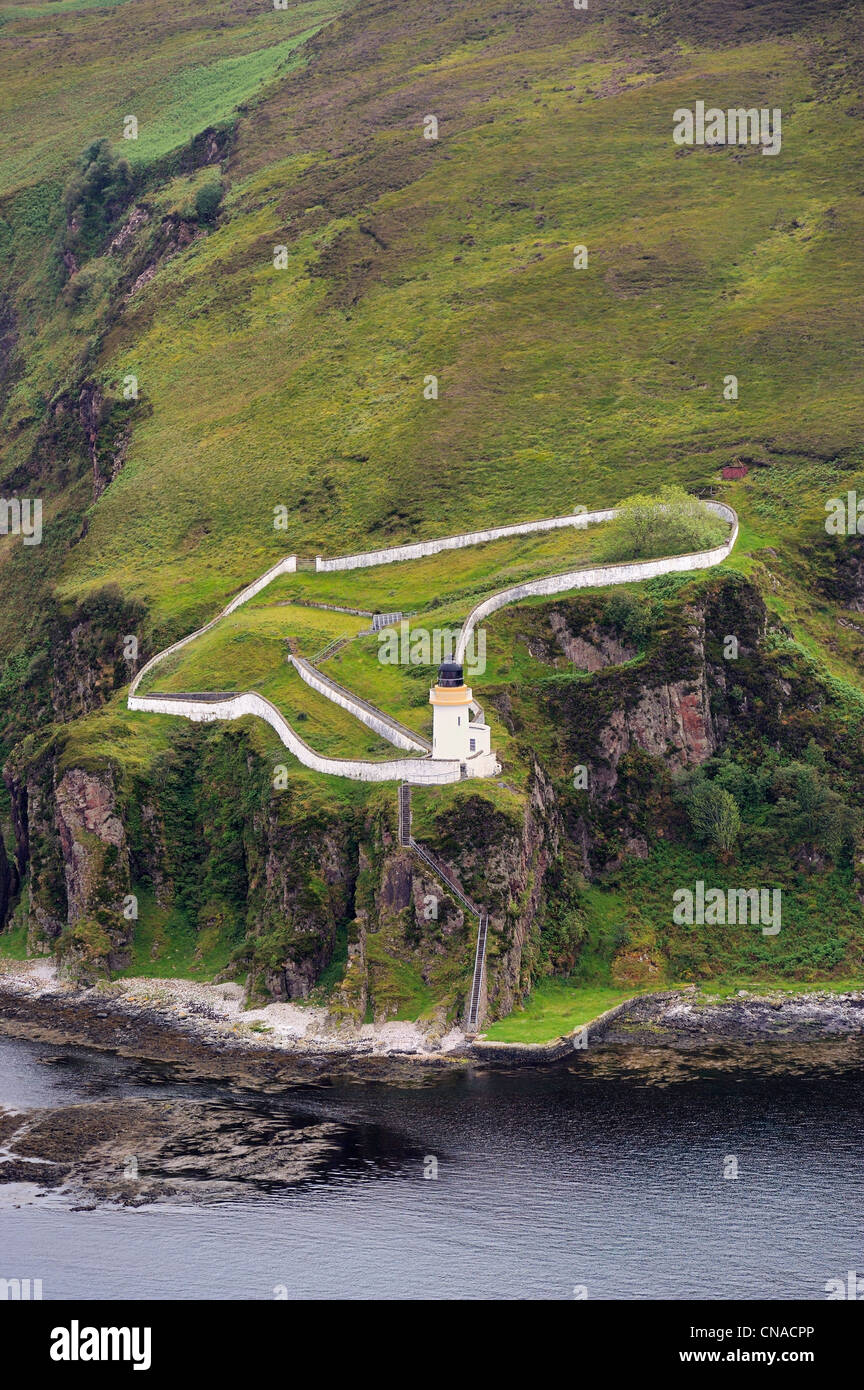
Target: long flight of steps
(472,1018)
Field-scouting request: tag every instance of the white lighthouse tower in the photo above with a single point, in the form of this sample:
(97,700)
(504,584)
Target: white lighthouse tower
(458,730)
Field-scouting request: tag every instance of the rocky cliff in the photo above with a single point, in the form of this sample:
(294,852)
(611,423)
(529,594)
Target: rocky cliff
(309,895)
(704,669)
(8,882)
(72,845)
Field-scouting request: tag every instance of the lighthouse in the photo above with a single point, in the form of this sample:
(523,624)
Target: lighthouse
(458,728)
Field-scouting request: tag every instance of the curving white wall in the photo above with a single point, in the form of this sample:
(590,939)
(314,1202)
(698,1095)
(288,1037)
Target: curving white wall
(286,566)
(416,770)
(416,550)
(602,575)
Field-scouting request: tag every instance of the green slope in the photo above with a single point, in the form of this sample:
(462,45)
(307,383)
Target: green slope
(303,387)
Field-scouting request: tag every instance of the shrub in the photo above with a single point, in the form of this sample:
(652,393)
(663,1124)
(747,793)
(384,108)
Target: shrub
(207,201)
(670,522)
(813,812)
(714,815)
(746,785)
(628,616)
(94,198)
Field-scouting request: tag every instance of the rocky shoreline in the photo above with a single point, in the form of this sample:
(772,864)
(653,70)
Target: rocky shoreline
(690,1020)
(242,1126)
(202,1030)
(136,1151)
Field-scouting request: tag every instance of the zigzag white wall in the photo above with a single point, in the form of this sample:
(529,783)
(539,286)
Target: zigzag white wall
(418,770)
(375,720)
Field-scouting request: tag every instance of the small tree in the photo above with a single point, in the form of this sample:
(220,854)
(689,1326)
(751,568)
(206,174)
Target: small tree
(207,201)
(842,828)
(669,522)
(96,195)
(714,815)
(629,616)
(814,814)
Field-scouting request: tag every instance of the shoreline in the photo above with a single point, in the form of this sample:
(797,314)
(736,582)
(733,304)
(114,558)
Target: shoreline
(203,1028)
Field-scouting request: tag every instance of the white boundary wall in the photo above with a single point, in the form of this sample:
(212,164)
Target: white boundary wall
(361,709)
(602,575)
(286,566)
(418,549)
(416,770)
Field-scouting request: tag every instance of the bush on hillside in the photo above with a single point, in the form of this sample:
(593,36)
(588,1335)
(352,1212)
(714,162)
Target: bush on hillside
(781,806)
(815,814)
(714,815)
(629,616)
(96,195)
(669,522)
(207,201)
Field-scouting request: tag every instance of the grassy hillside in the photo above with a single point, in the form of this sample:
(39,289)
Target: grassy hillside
(74,70)
(408,257)
(303,387)
(282,261)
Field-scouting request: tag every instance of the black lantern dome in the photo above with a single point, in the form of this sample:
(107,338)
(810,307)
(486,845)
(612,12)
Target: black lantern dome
(450,674)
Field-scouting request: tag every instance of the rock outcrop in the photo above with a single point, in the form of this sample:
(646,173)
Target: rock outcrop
(95,854)
(593,650)
(301,883)
(72,843)
(185,1151)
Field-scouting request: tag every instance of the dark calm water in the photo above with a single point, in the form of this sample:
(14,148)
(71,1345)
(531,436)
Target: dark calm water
(546,1180)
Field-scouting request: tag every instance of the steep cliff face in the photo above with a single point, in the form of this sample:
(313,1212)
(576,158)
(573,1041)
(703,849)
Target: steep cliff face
(268,874)
(611,743)
(86,811)
(411,944)
(88,662)
(671,721)
(106,427)
(81,658)
(520,866)
(302,870)
(592,650)
(38,847)
(502,864)
(96,868)
(221,854)
(674,706)
(73,846)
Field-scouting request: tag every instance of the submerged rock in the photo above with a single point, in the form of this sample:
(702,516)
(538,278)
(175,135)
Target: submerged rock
(139,1151)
